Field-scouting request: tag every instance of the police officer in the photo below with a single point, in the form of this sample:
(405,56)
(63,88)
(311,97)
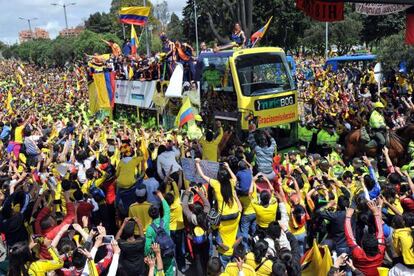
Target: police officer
(305,133)
(327,138)
(377,125)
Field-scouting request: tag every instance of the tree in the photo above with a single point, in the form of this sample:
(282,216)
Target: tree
(162,14)
(175,28)
(376,27)
(314,37)
(101,22)
(345,34)
(392,50)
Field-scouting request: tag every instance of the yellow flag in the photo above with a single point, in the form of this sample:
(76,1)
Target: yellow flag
(20,79)
(317,261)
(9,102)
(130,73)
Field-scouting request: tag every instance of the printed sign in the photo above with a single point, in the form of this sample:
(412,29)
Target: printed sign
(322,10)
(209,168)
(379,9)
(274,102)
(136,93)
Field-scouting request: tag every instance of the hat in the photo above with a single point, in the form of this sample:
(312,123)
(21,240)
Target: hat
(198,118)
(292,152)
(302,148)
(378,105)
(316,156)
(339,147)
(356,162)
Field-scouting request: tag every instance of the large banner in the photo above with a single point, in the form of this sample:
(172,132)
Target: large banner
(136,93)
(209,168)
(379,9)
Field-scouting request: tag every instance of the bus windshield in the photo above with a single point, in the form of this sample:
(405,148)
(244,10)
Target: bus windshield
(263,73)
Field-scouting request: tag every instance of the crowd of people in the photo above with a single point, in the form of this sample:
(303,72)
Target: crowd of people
(129,65)
(82,196)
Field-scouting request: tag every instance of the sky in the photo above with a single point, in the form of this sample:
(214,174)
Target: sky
(51,17)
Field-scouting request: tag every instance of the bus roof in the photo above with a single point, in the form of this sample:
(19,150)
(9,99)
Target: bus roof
(229,53)
(352,58)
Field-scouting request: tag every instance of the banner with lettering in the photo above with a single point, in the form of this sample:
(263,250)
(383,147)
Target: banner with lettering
(321,10)
(137,93)
(379,9)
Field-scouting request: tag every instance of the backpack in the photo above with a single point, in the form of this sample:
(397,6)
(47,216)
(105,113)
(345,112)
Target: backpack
(167,245)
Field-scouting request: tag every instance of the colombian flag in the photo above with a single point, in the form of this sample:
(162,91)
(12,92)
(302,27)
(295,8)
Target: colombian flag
(260,33)
(134,41)
(134,15)
(185,114)
(102,91)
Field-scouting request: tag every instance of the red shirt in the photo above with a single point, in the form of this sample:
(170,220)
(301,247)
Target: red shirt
(408,204)
(366,264)
(84,209)
(51,232)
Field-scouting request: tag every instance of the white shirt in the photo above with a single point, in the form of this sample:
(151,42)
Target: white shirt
(166,161)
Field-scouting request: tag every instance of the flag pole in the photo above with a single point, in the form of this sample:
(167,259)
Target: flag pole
(123,30)
(146,34)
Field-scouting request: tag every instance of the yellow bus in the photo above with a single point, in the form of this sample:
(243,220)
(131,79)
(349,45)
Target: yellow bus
(250,86)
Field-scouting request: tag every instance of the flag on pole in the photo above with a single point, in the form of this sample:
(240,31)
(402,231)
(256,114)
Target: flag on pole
(134,41)
(261,32)
(185,114)
(134,15)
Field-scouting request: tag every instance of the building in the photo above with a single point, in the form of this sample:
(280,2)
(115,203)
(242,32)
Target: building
(41,33)
(38,33)
(71,31)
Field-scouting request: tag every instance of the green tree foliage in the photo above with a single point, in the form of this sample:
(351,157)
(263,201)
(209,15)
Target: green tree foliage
(162,14)
(175,28)
(57,52)
(216,19)
(101,22)
(392,50)
(377,27)
(344,34)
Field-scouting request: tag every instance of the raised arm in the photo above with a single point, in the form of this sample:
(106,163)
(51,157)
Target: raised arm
(232,175)
(200,171)
(390,166)
(349,235)
(378,220)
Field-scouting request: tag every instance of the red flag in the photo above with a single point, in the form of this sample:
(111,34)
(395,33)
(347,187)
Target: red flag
(409,28)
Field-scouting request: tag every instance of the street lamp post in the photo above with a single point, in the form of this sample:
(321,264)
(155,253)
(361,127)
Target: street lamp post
(64,10)
(29,22)
(146,35)
(196,28)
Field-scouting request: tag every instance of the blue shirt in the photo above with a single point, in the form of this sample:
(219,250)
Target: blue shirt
(244,178)
(5,132)
(374,192)
(151,185)
(126,49)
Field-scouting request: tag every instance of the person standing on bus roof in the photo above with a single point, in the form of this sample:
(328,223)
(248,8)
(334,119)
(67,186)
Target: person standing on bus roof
(238,35)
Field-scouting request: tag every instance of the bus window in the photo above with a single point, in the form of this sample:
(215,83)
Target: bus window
(263,73)
(217,96)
